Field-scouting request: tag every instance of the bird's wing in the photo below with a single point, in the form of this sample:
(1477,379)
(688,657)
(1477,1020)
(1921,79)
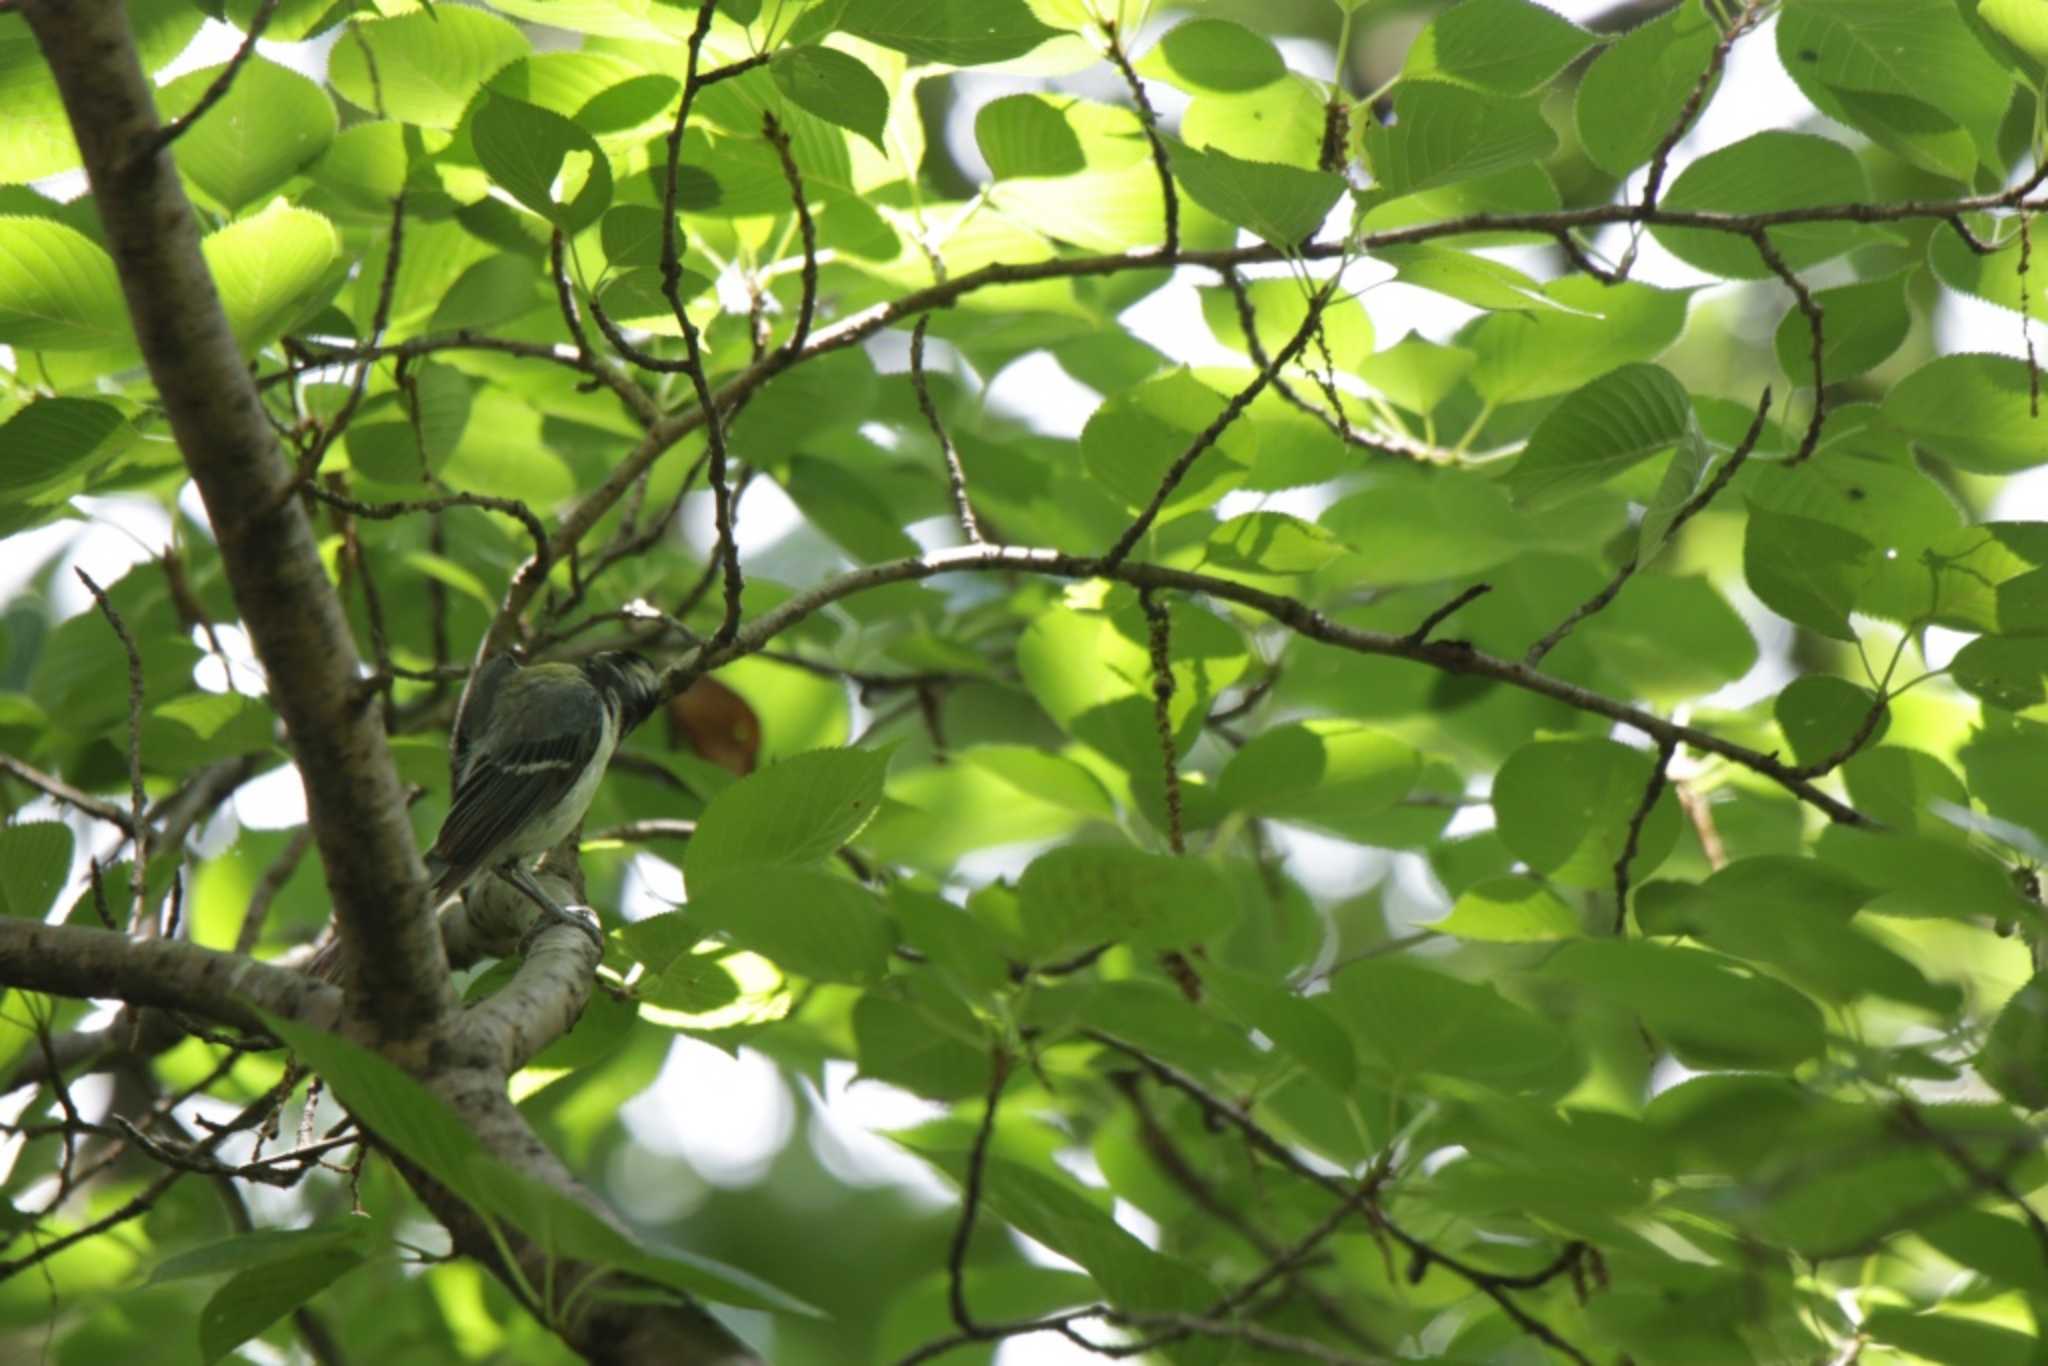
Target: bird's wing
(506,786)
(473,709)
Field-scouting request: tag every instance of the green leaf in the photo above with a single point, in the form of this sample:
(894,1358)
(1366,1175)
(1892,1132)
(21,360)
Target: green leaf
(1564,808)
(35,136)
(1411,1022)
(1443,133)
(950,938)
(796,812)
(271,125)
(1933,1336)
(1283,204)
(1048,777)
(1861,325)
(543,160)
(1133,440)
(1269,543)
(1510,910)
(1213,56)
(941,31)
(1027,135)
(1508,47)
(628,105)
(2003,671)
(255,1248)
(2022,23)
(1909,74)
(1712,1011)
(1636,89)
(1046,1206)
(420,1125)
(1974,411)
(1596,328)
(1477,280)
(58,291)
(422,67)
(1153,1018)
(47,441)
(1667,637)
(811,923)
(1683,478)
(1278,307)
(491,293)
(1285,122)
(1769,918)
(2001,1248)
(273,270)
(835,86)
(2015,1054)
(1300,1025)
(1330,774)
(1994,275)
(1075,897)
(1603,428)
(1819,714)
(37,857)
(1806,571)
(254,1299)
(1926,877)
(1904,788)
(1764,172)
(1416,372)
(925,1041)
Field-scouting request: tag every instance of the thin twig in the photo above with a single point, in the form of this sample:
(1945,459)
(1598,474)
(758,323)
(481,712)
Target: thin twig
(1159,638)
(807,304)
(1692,508)
(727,549)
(387,287)
(1455,657)
(59,790)
(1437,618)
(384,512)
(214,92)
(970,1198)
(1660,159)
(1652,790)
(269,885)
(138,828)
(1809,308)
(1209,435)
(956,473)
(1494,1285)
(1148,120)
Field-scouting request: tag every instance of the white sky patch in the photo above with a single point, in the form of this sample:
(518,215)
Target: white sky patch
(848,1121)
(727,1117)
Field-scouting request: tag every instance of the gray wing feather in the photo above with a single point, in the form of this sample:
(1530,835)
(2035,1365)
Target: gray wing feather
(473,710)
(504,787)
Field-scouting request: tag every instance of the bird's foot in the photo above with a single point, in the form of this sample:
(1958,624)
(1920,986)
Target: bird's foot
(580,917)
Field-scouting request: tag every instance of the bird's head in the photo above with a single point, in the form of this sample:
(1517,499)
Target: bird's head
(631,684)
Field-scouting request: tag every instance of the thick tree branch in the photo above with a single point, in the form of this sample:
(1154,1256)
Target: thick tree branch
(92,964)
(291,610)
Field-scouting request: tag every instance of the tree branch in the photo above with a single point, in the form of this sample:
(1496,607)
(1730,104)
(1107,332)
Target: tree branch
(93,964)
(273,566)
(1453,657)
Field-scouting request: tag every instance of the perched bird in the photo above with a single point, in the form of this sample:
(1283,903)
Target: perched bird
(530,745)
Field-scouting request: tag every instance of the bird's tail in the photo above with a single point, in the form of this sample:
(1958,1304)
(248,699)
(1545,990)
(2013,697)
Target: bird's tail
(443,879)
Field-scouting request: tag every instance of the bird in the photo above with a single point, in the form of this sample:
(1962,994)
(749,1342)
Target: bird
(530,744)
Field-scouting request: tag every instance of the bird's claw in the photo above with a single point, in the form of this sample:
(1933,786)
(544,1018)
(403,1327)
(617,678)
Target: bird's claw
(580,917)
